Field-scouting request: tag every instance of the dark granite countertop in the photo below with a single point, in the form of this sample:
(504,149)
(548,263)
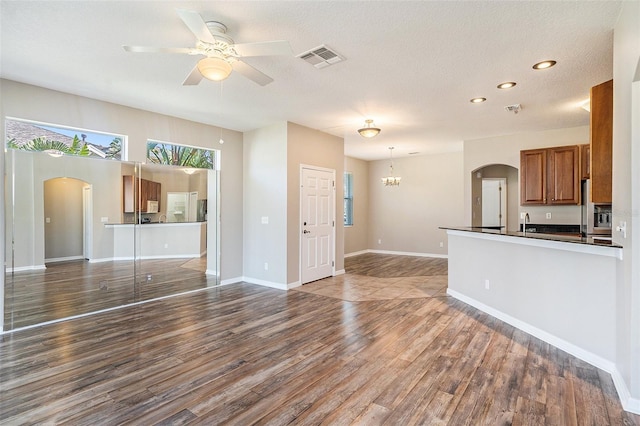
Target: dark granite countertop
(594,241)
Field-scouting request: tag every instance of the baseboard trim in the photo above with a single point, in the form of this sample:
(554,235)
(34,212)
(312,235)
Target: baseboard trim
(63,259)
(339,272)
(25,268)
(591,358)
(409,253)
(265,283)
(629,404)
(398,253)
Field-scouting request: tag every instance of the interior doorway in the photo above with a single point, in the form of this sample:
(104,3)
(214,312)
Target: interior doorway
(66,209)
(317,239)
(494,202)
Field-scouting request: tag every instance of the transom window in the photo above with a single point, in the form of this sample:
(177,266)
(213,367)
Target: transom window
(180,155)
(61,140)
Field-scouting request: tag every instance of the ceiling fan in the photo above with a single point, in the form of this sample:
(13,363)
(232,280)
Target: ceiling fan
(221,54)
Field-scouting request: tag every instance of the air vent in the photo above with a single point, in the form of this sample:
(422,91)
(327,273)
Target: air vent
(321,56)
(515,108)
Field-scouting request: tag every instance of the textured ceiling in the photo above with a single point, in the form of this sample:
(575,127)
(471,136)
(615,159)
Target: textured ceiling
(411,66)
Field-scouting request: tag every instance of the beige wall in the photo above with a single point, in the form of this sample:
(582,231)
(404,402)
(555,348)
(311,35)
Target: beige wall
(406,218)
(38,104)
(506,150)
(265,196)
(356,237)
(312,148)
(626,195)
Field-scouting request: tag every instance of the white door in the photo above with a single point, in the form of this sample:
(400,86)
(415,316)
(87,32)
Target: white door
(494,202)
(317,198)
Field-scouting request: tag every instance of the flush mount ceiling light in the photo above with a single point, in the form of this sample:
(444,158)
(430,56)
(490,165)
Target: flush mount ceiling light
(391,180)
(216,69)
(544,65)
(369,130)
(477,100)
(506,85)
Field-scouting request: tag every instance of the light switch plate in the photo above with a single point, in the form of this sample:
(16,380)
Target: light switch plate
(265,220)
(548,215)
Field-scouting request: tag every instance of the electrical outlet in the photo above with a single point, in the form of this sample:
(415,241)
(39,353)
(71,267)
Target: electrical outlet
(104,219)
(548,215)
(441,244)
(522,215)
(264,220)
(166,245)
(486,284)
(379,241)
(266,266)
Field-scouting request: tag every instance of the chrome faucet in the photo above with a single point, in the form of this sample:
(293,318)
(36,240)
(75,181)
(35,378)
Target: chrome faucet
(525,220)
(160,218)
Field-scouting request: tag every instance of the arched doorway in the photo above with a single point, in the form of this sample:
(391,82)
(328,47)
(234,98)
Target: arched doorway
(494,196)
(67,202)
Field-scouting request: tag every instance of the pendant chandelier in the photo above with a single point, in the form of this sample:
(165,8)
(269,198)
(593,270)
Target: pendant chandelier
(391,180)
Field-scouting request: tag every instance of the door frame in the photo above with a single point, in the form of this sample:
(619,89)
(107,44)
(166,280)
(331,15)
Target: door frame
(333,218)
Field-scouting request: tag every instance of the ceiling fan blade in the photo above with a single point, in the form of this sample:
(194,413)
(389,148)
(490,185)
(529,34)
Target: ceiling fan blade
(151,49)
(193,78)
(196,24)
(251,73)
(266,48)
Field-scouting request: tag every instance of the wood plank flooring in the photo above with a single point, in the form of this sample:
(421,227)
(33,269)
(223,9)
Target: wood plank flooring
(244,354)
(72,288)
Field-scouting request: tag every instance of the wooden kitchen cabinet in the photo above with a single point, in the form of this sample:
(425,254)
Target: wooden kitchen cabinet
(601,125)
(533,176)
(135,194)
(563,175)
(585,161)
(550,176)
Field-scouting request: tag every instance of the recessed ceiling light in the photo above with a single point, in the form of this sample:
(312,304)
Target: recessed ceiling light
(506,85)
(477,100)
(544,65)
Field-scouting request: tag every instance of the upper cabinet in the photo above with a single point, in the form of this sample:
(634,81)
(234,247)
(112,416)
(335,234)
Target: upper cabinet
(550,176)
(601,142)
(585,161)
(148,190)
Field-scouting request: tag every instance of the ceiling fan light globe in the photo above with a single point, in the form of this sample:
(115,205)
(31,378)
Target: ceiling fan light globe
(215,69)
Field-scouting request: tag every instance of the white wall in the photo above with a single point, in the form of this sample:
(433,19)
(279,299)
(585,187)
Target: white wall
(626,196)
(356,237)
(38,104)
(506,150)
(406,218)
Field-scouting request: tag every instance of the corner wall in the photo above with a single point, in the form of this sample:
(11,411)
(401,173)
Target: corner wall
(626,200)
(406,218)
(313,148)
(356,235)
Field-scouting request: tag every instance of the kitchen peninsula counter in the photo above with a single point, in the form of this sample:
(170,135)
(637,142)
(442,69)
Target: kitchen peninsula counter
(158,240)
(561,289)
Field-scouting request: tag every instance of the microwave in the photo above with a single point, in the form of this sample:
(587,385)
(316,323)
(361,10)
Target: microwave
(152,206)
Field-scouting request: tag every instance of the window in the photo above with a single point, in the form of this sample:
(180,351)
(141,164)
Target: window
(180,155)
(348,199)
(60,140)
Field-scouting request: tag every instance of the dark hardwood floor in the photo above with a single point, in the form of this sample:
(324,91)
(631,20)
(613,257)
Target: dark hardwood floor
(244,354)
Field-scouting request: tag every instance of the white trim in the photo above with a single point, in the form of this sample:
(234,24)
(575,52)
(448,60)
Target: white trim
(26,268)
(339,272)
(559,343)
(63,259)
(231,281)
(539,242)
(265,283)
(357,253)
(408,253)
(629,404)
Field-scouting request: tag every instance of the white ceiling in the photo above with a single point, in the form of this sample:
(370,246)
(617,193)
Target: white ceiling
(411,66)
